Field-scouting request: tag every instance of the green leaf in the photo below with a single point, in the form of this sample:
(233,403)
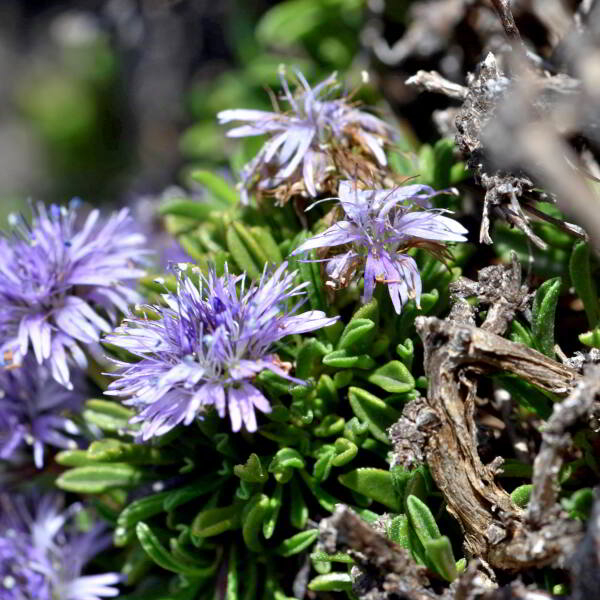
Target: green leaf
(579,504)
(254,515)
(252,471)
(426,164)
(74,458)
(258,254)
(544,309)
(439,553)
(231,591)
(341,359)
(373,483)
(341,557)
(309,357)
(342,379)
(109,416)
(521,495)
(443,161)
(100,478)
(284,462)
(266,242)
(298,507)
(370,311)
(515,468)
(213,521)
(331,582)
(380,345)
(345,452)
(376,413)
(298,543)
(186,493)
(325,456)
(163,558)
(326,390)
(406,351)
(581,276)
(330,425)
(192,209)
(356,431)
(241,255)
(111,450)
(422,520)
(397,531)
(138,510)
(357,336)
(393,377)
(326,500)
(458,173)
(521,334)
(309,273)
(273,514)
(220,188)
(591,338)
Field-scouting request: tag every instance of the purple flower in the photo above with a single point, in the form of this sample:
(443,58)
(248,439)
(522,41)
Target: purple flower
(206,347)
(55,277)
(42,554)
(301,150)
(32,411)
(379,226)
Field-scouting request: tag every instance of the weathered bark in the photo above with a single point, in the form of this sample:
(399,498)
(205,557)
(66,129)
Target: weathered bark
(444,430)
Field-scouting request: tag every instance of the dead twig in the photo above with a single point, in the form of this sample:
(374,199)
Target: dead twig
(456,352)
(555,440)
(386,570)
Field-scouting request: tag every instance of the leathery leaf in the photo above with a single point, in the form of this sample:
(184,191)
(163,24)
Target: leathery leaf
(298,542)
(393,377)
(544,311)
(372,410)
(97,479)
(373,483)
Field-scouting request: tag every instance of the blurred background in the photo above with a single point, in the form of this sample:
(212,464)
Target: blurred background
(114,101)
(109,100)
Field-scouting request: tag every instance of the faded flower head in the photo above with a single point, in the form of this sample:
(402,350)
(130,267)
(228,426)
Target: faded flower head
(33,411)
(42,553)
(56,276)
(206,347)
(378,227)
(311,146)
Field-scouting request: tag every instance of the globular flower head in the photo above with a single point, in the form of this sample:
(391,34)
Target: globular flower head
(42,554)
(206,347)
(34,411)
(319,140)
(378,227)
(55,277)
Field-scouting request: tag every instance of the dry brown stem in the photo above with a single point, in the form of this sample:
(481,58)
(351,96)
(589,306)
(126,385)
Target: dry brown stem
(386,568)
(456,353)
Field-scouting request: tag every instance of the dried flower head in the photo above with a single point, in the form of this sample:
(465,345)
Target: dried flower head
(61,285)
(206,347)
(311,147)
(42,554)
(34,411)
(378,228)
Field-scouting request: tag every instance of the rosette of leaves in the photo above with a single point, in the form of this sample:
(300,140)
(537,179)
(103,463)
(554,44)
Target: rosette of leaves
(202,508)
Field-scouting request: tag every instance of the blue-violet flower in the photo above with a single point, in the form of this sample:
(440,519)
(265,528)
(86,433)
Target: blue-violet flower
(309,144)
(42,553)
(206,347)
(378,228)
(55,276)
(34,411)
